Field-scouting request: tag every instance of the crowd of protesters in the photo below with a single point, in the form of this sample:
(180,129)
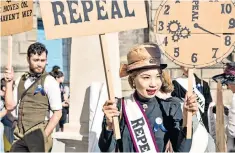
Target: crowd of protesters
(159,101)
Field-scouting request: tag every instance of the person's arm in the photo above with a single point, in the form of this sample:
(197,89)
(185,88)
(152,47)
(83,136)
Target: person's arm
(107,142)
(230,127)
(53,122)
(65,104)
(10,96)
(9,101)
(178,132)
(3,113)
(53,93)
(66,93)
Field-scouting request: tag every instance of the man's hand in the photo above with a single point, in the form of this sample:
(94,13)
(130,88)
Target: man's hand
(9,75)
(53,122)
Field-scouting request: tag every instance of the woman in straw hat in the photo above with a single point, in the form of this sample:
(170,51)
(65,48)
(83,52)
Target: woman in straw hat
(146,121)
(228,78)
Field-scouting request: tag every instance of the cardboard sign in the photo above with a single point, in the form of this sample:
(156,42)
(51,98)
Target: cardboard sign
(63,18)
(200,35)
(16,16)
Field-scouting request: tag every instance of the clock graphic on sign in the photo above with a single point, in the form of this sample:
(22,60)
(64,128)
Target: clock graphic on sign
(195,33)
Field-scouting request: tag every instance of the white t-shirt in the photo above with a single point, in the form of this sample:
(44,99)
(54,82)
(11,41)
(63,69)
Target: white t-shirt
(51,88)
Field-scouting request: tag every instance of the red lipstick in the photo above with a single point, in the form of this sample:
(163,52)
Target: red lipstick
(151,91)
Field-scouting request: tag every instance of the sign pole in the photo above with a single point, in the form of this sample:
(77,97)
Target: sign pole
(9,54)
(189,113)
(220,136)
(108,77)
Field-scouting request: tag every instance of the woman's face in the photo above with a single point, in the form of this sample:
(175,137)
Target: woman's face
(231,87)
(148,82)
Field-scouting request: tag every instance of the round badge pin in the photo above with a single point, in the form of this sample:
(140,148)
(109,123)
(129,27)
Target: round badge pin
(145,106)
(158,120)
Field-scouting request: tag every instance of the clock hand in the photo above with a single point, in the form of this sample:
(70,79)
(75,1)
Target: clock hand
(199,27)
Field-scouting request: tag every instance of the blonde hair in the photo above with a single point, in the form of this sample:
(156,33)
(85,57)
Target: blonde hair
(167,85)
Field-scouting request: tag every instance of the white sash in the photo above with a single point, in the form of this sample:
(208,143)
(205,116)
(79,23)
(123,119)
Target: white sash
(200,98)
(200,135)
(137,122)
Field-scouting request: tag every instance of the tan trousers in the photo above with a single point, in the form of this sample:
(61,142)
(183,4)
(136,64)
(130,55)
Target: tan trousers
(34,140)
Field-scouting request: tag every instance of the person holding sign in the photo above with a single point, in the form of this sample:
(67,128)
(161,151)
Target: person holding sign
(202,90)
(35,94)
(146,121)
(228,79)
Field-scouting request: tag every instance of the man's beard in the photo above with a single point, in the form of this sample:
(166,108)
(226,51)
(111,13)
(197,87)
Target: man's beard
(32,71)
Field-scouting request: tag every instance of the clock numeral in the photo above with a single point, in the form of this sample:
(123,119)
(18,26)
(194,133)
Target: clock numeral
(167,8)
(231,23)
(215,51)
(176,52)
(194,58)
(165,41)
(161,25)
(228,40)
(226,8)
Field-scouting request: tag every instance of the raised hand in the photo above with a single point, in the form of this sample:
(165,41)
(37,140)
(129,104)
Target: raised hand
(110,110)
(9,75)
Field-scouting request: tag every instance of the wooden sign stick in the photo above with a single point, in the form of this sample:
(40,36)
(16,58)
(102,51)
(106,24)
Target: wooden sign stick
(9,54)
(108,77)
(189,113)
(220,136)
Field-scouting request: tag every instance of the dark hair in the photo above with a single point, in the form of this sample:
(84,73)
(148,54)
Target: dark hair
(36,48)
(55,68)
(56,74)
(3,83)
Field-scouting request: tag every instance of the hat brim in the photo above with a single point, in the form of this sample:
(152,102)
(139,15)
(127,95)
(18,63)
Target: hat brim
(224,78)
(161,66)
(219,77)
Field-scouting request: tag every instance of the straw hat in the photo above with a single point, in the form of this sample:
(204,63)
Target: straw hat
(142,56)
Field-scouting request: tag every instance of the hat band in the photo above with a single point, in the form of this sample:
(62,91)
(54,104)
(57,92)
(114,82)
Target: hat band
(230,72)
(144,63)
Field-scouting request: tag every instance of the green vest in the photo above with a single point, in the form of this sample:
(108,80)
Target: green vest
(33,108)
